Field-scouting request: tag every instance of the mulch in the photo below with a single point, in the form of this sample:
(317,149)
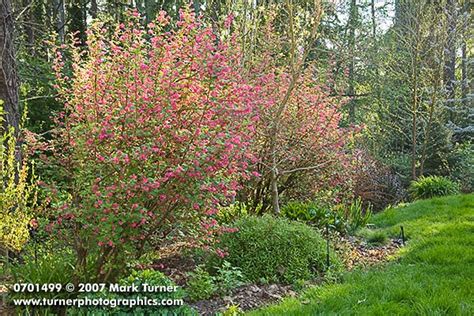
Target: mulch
(246,297)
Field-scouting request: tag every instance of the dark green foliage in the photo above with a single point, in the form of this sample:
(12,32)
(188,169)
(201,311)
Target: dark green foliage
(462,158)
(376,238)
(228,277)
(275,249)
(200,285)
(41,266)
(432,186)
(37,94)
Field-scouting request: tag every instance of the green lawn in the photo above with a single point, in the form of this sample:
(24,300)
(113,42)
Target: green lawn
(433,275)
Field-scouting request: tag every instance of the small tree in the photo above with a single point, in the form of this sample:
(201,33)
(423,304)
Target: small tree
(300,147)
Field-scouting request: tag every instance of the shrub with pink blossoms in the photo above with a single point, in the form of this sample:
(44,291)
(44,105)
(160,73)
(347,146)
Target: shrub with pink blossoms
(155,134)
(312,151)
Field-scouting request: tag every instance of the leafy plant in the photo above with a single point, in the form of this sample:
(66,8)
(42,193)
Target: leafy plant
(314,214)
(274,248)
(200,285)
(374,237)
(41,266)
(56,267)
(229,214)
(233,310)
(18,193)
(357,216)
(228,277)
(432,186)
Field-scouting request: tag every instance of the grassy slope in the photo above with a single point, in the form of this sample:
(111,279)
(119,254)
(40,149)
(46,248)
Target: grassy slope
(434,274)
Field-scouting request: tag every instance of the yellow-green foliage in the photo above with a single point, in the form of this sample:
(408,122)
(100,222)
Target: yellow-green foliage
(17,196)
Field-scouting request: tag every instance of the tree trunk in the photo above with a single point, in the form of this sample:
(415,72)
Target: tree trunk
(77,20)
(428,130)
(374,23)
(464,56)
(450,56)
(94,9)
(60,19)
(28,22)
(351,89)
(8,75)
(149,10)
(274,186)
(414,109)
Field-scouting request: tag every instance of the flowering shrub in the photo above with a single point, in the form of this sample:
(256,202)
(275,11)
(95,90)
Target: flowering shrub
(155,134)
(312,155)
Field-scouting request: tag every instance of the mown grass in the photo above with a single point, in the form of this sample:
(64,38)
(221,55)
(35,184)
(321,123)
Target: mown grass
(432,275)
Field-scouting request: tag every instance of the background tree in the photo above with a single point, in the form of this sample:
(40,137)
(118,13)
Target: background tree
(8,75)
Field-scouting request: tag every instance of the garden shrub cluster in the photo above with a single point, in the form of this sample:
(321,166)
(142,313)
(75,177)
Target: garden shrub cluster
(275,249)
(432,186)
(314,214)
(160,130)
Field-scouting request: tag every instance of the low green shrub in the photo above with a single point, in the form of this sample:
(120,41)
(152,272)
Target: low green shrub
(432,186)
(233,310)
(41,266)
(373,237)
(377,238)
(200,285)
(274,249)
